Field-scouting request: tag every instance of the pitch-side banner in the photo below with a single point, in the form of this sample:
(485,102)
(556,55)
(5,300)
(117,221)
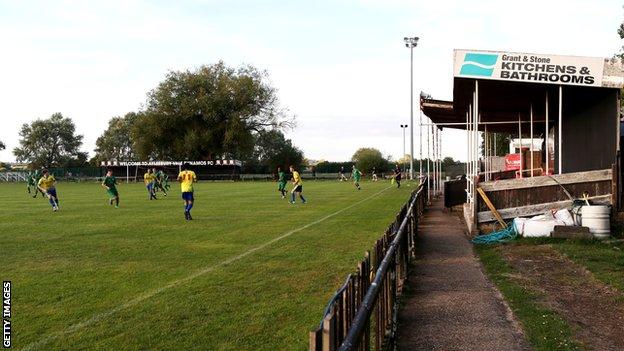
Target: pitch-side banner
(533,68)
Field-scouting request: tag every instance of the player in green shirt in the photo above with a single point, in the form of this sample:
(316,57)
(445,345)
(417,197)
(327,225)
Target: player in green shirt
(32,179)
(165,181)
(357,175)
(110,183)
(160,175)
(281,182)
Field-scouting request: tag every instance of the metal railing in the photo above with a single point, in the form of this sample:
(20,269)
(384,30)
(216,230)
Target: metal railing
(363,312)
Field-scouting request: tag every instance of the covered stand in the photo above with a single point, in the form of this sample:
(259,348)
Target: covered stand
(562,112)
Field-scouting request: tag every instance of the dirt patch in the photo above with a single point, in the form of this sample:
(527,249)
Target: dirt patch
(594,311)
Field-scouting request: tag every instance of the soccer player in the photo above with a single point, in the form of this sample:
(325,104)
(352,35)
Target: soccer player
(342,176)
(186,179)
(297,186)
(159,181)
(375,178)
(149,179)
(397,176)
(33,177)
(32,183)
(281,182)
(46,185)
(110,183)
(357,175)
(166,181)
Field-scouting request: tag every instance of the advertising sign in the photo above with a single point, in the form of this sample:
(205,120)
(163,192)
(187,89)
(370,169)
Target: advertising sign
(533,68)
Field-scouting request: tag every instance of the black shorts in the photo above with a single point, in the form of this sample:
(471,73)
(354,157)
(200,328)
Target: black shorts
(298,189)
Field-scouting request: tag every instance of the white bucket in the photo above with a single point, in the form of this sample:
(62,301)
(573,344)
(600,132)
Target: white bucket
(597,218)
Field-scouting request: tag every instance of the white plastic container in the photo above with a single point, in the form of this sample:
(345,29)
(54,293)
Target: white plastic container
(597,218)
(542,225)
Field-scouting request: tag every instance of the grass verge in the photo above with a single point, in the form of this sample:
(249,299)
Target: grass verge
(604,260)
(543,327)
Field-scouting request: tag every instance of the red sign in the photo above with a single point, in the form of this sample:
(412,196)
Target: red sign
(513,162)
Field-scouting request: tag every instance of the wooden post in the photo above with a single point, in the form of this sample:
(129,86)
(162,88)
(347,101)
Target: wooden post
(316,338)
(329,333)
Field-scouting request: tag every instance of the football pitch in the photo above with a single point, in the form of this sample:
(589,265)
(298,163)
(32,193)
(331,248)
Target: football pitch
(250,272)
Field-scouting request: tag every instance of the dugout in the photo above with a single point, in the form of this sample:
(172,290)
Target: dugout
(569,103)
(205,170)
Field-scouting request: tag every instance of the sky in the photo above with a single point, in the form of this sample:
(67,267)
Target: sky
(340,67)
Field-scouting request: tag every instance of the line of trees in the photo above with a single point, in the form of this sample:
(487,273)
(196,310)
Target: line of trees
(208,113)
(211,112)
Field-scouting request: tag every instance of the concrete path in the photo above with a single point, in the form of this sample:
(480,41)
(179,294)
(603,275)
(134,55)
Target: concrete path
(449,303)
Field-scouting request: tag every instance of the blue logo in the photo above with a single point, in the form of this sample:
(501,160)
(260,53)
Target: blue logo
(478,64)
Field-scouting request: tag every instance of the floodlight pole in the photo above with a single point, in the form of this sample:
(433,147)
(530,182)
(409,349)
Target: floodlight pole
(403,126)
(411,43)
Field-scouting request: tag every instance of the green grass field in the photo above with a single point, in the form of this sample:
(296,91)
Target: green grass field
(251,272)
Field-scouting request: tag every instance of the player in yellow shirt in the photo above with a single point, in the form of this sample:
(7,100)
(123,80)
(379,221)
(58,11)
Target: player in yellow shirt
(297,186)
(186,179)
(149,178)
(47,186)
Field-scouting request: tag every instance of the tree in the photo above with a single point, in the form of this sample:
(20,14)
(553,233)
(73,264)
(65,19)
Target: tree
(116,144)
(332,167)
(502,144)
(366,159)
(620,32)
(50,142)
(404,160)
(2,146)
(211,112)
(271,150)
(448,161)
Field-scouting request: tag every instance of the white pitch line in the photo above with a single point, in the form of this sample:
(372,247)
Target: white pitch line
(97,317)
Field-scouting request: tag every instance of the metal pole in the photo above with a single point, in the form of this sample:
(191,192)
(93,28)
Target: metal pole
(467,146)
(520,142)
(560,128)
(127,173)
(477,119)
(470,135)
(488,140)
(440,161)
(486,151)
(495,151)
(433,155)
(531,148)
(420,142)
(411,112)
(403,148)
(468,168)
(450,124)
(428,171)
(546,140)
(438,156)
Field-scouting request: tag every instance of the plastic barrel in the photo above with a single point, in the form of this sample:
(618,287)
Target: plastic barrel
(597,218)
